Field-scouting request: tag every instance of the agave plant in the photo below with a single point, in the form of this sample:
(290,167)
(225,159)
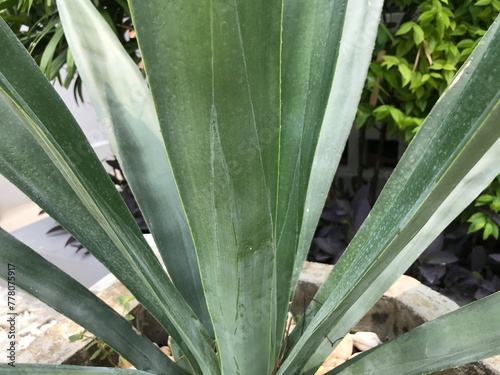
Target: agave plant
(237,134)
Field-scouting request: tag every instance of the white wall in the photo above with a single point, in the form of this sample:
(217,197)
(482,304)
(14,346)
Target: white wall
(85,115)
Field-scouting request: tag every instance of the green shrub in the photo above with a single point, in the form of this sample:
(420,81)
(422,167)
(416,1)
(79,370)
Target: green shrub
(420,46)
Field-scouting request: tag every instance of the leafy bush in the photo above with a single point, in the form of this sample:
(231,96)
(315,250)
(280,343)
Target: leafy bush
(420,46)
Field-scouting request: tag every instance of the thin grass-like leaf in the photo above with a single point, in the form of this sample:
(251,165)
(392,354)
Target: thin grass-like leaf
(48,53)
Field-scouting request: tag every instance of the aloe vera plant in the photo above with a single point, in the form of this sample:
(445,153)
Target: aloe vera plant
(236,135)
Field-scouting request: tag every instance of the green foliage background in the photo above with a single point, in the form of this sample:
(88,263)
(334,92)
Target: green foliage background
(37,25)
(420,46)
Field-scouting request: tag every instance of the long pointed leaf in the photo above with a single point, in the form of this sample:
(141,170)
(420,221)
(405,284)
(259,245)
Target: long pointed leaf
(42,279)
(47,156)
(308,63)
(320,70)
(128,117)
(354,57)
(453,157)
(218,101)
(462,336)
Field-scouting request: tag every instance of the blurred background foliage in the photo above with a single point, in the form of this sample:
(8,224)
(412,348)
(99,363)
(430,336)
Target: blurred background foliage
(36,24)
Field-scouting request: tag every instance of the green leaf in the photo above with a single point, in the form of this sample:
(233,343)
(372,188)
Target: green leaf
(495,204)
(421,104)
(44,140)
(477,216)
(75,337)
(217,94)
(49,28)
(405,28)
(418,81)
(128,317)
(460,30)
(95,354)
(440,28)
(61,292)
(404,47)
(382,112)
(406,74)
(361,119)
(127,115)
(390,61)
(390,77)
(420,92)
(179,357)
(375,68)
(449,162)
(339,115)
(340,111)
(426,17)
(71,69)
(482,3)
(448,75)
(105,16)
(384,35)
(396,114)
(22,369)
(409,106)
(443,19)
(495,231)
(418,34)
(311,61)
(124,301)
(483,199)
(5,4)
(48,53)
(437,65)
(91,344)
(432,43)
(457,338)
(488,230)
(465,43)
